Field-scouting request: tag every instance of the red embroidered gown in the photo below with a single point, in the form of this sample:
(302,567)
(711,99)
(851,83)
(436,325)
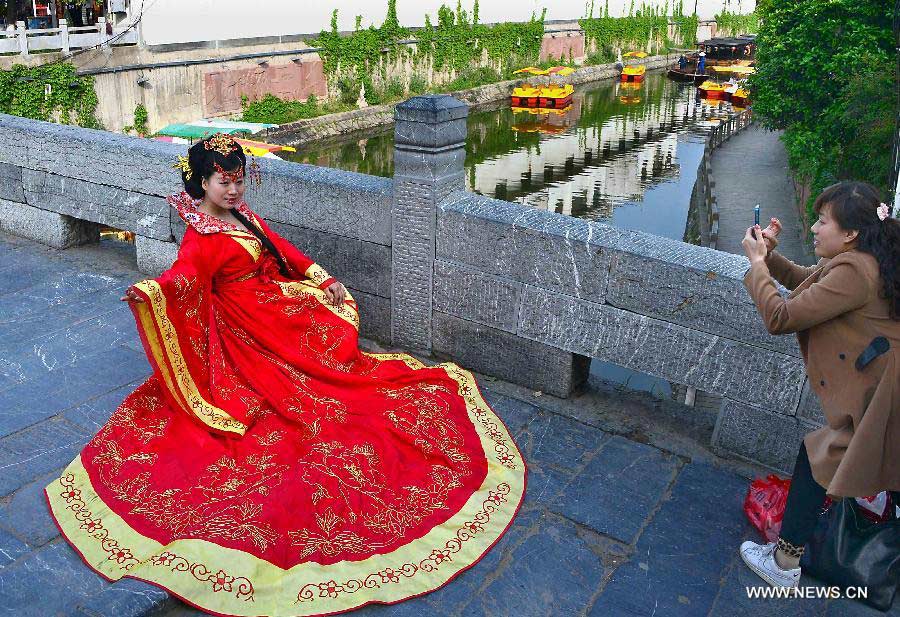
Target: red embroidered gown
(268,466)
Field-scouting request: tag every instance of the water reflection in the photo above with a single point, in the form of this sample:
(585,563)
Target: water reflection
(625,154)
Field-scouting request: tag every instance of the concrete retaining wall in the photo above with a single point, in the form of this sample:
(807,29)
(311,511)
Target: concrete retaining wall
(526,295)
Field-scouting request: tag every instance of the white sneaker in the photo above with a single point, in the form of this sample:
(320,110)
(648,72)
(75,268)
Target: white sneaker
(761,559)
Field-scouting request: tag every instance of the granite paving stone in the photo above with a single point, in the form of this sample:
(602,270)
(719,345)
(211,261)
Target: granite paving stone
(618,488)
(93,414)
(733,599)
(26,515)
(554,571)
(11,548)
(37,450)
(49,581)
(124,598)
(516,414)
(454,597)
(678,561)
(54,291)
(87,378)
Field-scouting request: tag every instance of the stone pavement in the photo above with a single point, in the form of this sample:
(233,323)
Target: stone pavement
(752,168)
(626,513)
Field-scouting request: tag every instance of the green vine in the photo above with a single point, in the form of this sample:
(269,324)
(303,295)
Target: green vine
(51,92)
(458,42)
(635,30)
(140,120)
(685,26)
(362,49)
(730,24)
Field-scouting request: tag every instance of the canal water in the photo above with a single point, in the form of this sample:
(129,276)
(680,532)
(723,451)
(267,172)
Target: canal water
(623,154)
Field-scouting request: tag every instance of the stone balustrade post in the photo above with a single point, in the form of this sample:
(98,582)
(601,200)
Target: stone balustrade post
(429,157)
(64,35)
(102,37)
(23,37)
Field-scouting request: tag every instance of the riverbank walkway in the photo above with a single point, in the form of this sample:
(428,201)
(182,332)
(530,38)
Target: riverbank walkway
(752,168)
(626,512)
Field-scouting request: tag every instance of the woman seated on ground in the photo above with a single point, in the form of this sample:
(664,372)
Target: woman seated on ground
(268,466)
(846,313)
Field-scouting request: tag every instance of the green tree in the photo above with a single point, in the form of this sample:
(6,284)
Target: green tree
(825,74)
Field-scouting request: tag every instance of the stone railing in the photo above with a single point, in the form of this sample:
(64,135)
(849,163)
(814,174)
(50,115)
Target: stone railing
(703,197)
(529,296)
(64,38)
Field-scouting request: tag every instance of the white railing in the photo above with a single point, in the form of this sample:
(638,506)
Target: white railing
(65,39)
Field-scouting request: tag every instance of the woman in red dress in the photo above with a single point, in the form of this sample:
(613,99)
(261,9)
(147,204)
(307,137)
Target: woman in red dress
(268,466)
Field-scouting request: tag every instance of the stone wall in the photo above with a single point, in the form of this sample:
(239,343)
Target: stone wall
(529,296)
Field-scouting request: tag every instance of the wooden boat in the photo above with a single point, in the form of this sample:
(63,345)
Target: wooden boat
(686,75)
(741,98)
(548,96)
(633,73)
(712,90)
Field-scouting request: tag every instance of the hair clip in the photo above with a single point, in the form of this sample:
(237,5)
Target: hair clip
(221,143)
(185,166)
(883,211)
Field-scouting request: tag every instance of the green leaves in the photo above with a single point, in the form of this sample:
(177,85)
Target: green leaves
(51,92)
(825,74)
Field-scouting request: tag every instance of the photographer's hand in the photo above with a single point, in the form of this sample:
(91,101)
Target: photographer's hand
(754,244)
(770,234)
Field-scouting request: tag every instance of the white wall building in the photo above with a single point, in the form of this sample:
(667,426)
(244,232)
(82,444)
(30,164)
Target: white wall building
(165,22)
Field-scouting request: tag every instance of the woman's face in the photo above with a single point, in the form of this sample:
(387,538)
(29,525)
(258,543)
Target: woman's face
(225,190)
(828,237)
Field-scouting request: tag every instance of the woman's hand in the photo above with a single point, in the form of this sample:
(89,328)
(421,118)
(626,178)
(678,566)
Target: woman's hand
(335,294)
(131,296)
(754,244)
(770,233)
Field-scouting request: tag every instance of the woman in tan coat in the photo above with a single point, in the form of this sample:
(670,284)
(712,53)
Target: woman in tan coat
(846,313)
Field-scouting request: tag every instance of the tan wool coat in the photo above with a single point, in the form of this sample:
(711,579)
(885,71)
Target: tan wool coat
(836,310)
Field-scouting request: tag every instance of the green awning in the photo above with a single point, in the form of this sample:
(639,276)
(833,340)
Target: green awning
(190,131)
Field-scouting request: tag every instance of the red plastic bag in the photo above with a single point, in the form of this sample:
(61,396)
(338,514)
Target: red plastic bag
(764,505)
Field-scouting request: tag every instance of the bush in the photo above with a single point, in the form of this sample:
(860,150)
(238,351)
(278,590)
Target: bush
(348,85)
(474,77)
(417,84)
(274,110)
(825,74)
(394,90)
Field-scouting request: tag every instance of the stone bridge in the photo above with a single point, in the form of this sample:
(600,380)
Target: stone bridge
(525,295)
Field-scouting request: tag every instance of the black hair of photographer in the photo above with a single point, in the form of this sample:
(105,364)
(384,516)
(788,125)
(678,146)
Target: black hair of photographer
(854,206)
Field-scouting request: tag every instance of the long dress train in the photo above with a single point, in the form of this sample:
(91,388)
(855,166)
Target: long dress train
(268,466)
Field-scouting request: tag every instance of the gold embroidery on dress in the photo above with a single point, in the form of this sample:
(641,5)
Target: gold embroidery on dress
(156,316)
(425,415)
(249,242)
(316,274)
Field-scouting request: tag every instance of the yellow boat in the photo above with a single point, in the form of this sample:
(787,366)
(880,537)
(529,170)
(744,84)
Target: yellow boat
(711,90)
(633,73)
(741,97)
(550,96)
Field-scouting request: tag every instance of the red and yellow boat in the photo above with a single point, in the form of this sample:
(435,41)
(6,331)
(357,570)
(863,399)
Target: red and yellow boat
(711,90)
(634,72)
(545,96)
(741,98)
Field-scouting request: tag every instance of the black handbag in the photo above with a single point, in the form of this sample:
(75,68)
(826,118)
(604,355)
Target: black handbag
(848,550)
